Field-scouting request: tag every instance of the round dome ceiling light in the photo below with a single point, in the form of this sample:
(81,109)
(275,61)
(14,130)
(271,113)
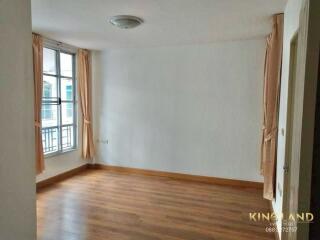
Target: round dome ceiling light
(125,21)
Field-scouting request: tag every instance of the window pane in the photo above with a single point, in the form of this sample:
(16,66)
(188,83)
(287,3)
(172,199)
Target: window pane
(50,139)
(67,113)
(67,137)
(49,113)
(66,89)
(66,64)
(49,88)
(49,61)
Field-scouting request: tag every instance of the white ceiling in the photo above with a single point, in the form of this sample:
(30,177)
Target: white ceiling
(83,23)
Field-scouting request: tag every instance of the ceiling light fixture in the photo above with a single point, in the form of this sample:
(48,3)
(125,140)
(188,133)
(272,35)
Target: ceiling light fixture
(125,21)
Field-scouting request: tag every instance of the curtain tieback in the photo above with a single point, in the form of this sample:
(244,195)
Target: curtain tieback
(86,121)
(37,124)
(271,135)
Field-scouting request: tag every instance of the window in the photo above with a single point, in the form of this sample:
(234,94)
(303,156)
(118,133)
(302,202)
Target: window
(58,101)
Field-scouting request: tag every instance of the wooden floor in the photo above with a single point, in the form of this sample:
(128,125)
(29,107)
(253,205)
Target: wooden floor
(106,205)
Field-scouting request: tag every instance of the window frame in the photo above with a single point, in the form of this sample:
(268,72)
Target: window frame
(58,48)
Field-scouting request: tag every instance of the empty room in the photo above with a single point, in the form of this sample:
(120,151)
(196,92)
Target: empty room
(159,120)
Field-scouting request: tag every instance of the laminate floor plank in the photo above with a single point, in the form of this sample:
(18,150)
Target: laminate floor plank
(102,204)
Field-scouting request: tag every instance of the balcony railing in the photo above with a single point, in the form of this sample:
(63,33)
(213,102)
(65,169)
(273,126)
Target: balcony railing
(67,137)
(50,138)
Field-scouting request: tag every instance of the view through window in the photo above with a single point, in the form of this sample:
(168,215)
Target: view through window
(58,101)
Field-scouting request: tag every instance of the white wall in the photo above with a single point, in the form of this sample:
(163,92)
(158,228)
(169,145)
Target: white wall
(291,24)
(61,163)
(187,109)
(17,161)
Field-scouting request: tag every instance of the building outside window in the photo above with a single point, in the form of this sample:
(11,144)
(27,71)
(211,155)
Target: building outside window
(46,109)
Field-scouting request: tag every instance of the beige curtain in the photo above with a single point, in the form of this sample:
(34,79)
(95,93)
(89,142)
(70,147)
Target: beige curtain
(272,76)
(37,46)
(84,84)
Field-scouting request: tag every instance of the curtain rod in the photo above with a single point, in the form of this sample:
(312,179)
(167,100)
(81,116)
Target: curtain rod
(60,45)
